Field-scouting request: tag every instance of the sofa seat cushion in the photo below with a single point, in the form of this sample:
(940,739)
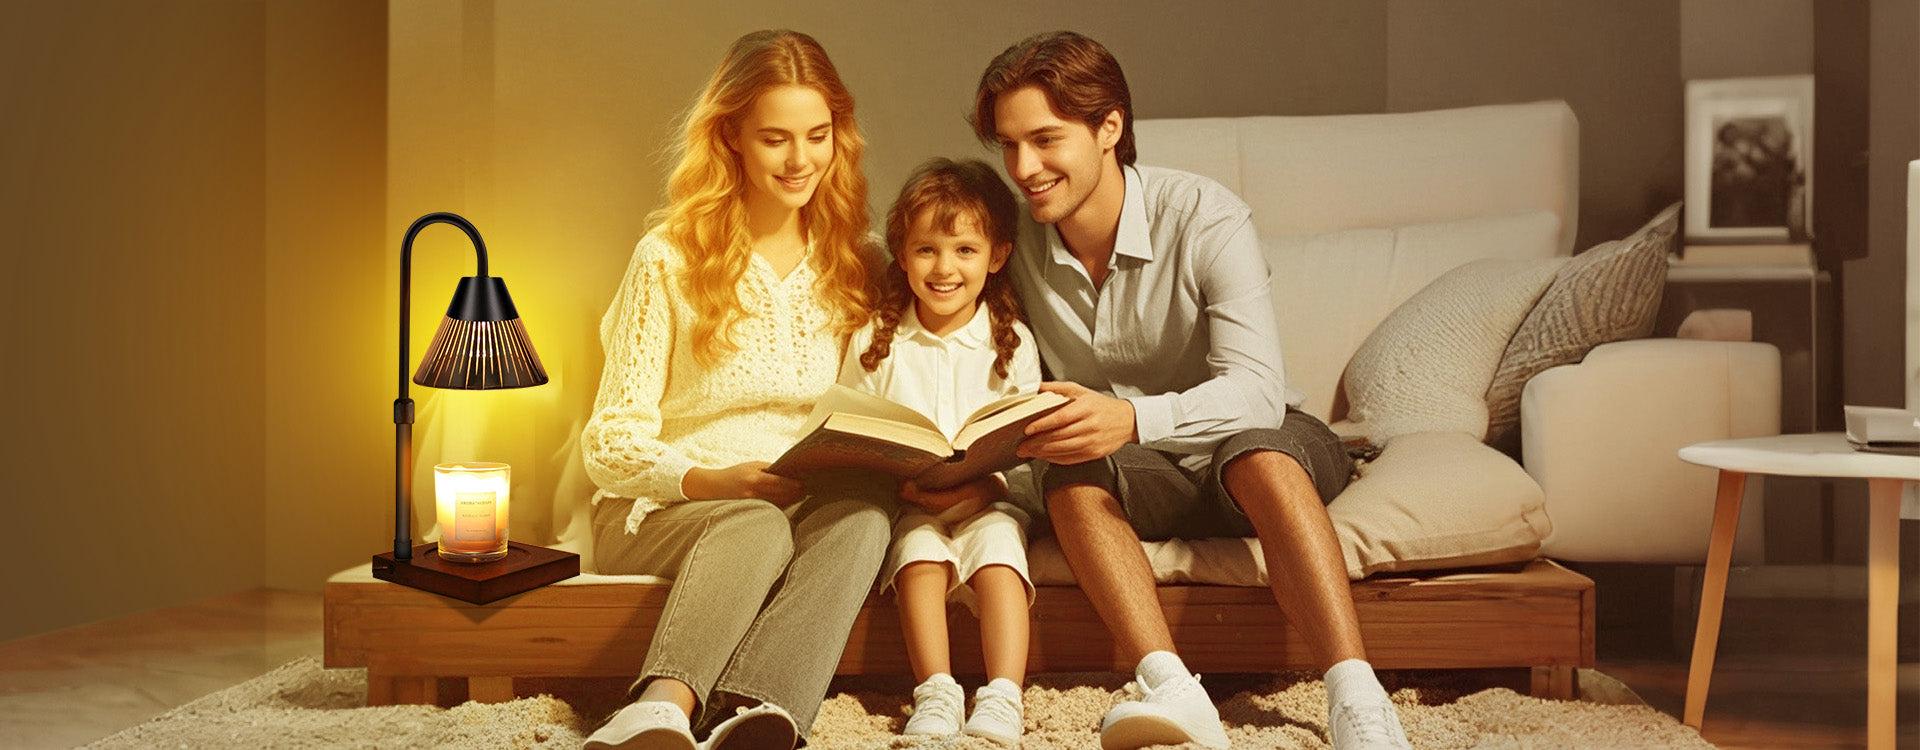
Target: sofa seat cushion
(1429,501)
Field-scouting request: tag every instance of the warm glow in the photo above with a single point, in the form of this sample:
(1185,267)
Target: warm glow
(472,499)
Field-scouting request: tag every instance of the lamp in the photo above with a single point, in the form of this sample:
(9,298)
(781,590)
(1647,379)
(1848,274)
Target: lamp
(481,345)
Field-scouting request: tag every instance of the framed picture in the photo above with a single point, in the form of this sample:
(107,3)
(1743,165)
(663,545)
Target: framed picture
(1749,159)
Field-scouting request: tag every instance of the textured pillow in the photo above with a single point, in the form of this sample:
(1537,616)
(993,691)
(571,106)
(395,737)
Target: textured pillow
(1426,367)
(1608,293)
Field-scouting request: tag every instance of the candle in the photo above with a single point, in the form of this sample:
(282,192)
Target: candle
(472,501)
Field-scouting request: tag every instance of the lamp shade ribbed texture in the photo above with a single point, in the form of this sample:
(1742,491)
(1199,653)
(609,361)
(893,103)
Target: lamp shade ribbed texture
(481,345)
(480,356)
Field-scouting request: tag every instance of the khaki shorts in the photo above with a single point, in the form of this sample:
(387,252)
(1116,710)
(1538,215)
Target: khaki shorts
(1165,499)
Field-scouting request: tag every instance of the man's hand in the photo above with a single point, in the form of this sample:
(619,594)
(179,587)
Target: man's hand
(745,480)
(954,503)
(1092,425)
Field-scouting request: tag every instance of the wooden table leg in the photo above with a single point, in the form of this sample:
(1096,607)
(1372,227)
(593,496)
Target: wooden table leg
(1713,594)
(1883,607)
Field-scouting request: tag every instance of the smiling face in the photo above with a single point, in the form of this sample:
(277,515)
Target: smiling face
(785,143)
(1057,163)
(947,269)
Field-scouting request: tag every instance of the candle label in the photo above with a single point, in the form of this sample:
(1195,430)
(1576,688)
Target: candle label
(473,516)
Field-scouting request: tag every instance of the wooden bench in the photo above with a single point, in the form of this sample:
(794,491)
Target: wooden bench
(1537,616)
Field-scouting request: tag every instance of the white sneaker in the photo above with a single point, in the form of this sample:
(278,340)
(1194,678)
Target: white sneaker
(762,727)
(645,725)
(938,704)
(1366,726)
(997,714)
(1178,711)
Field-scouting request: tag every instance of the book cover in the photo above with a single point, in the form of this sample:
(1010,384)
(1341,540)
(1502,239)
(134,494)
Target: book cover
(850,429)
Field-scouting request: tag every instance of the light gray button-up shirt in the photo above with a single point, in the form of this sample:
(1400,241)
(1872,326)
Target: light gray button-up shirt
(1183,326)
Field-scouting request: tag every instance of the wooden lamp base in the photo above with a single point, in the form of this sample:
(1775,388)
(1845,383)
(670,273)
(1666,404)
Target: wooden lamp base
(526,567)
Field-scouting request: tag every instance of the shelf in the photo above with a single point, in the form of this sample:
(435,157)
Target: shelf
(1684,273)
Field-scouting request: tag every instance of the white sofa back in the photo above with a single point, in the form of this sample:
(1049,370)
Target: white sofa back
(1325,173)
(1358,212)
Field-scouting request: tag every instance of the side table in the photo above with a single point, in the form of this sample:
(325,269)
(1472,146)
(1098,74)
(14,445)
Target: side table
(1825,454)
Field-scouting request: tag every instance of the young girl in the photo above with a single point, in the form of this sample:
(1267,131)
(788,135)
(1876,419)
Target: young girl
(726,329)
(946,340)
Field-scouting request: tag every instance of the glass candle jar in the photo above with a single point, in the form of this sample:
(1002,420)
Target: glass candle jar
(472,502)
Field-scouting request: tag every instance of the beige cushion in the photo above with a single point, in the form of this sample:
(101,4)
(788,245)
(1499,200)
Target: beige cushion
(1608,293)
(1426,367)
(1430,500)
(1331,289)
(1438,500)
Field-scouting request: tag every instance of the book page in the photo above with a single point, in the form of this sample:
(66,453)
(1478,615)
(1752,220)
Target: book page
(1000,413)
(990,444)
(841,399)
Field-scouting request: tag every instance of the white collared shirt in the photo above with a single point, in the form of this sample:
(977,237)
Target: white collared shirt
(945,378)
(1183,326)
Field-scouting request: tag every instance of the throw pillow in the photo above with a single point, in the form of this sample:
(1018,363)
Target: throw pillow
(1427,366)
(1608,293)
(1438,500)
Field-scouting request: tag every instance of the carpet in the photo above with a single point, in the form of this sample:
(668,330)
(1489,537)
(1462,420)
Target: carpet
(302,705)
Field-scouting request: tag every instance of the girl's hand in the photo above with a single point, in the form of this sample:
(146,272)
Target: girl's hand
(744,480)
(956,502)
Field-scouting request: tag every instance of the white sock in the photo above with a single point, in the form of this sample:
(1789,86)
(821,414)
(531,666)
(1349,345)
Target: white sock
(940,678)
(1353,681)
(1004,687)
(1159,667)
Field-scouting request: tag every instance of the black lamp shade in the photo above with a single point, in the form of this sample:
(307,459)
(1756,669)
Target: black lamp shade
(481,345)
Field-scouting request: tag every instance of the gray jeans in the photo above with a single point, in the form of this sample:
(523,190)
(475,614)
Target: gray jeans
(762,600)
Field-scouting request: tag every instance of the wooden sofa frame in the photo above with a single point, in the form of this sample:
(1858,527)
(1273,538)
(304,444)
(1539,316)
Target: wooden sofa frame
(1538,616)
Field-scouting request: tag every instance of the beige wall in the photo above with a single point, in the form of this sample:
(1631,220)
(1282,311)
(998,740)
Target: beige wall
(331,376)
(131,170)
(1614,61)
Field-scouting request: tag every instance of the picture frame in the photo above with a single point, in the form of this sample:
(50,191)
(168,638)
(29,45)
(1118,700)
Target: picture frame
(1749,152)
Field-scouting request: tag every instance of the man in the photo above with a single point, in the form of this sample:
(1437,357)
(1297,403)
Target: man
(1149,297)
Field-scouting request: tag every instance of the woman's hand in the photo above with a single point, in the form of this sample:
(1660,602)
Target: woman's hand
(956,502)
(744,480)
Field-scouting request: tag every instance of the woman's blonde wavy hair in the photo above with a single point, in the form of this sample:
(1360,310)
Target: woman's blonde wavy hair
(706,217)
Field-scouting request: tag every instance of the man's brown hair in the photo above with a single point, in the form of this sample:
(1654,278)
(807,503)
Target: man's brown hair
(1079,77)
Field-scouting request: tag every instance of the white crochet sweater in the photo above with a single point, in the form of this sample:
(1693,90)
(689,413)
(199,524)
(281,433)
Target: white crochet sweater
(660,413)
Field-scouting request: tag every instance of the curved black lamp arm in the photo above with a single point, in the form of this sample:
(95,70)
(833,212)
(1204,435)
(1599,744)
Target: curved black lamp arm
(403,406)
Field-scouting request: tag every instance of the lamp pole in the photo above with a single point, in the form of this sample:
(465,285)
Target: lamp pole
(403,406)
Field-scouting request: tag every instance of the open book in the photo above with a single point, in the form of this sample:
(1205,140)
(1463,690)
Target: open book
(852,429)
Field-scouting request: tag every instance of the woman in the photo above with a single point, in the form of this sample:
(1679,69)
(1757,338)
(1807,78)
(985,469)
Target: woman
(729,324)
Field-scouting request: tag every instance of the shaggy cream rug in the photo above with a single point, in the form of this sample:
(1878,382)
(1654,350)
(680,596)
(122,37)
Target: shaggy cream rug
(302,705)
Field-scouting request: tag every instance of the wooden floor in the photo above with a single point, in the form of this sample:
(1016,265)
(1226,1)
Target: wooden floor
(1790,674)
